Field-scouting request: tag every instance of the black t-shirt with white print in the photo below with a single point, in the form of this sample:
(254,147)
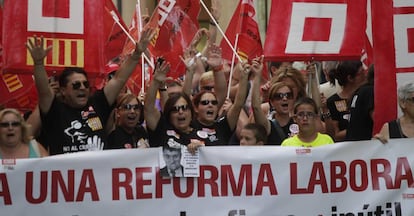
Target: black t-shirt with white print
(68,130)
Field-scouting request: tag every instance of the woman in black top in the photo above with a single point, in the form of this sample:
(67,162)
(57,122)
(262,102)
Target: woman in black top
(129,132)
(402,127)
(171,128)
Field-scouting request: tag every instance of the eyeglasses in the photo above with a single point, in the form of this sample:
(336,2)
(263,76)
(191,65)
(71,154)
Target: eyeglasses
(10,124)
(302,115)
(136,107)
(280,96)
(207,102)
(207,88)
(178,108)
(410,99)
(77,84)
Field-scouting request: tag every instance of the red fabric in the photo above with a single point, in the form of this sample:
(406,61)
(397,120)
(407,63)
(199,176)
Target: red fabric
(85,47)
(244,23)
(385,87)
(177,24)
(314,30)
(18,91)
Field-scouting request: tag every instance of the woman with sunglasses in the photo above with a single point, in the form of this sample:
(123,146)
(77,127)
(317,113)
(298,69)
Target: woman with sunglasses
(15,139)
(219,131)
(281,98)
(172,127)
(128,133)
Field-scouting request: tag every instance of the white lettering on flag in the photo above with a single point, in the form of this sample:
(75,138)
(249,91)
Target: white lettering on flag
(403,34)
(72,25)
(336,13)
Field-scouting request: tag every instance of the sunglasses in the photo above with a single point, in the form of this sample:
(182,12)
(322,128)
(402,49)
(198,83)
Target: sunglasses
(280,96)
(178,108)
(302,115)
(77,85)
(207,88)
(136,107)
(10,124)
(207,102)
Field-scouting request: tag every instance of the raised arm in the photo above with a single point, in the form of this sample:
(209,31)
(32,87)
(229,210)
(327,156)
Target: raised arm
(234,111)
(215,61)
(259,116)
(151,113)
(115,85)
(39,53)
(190,62)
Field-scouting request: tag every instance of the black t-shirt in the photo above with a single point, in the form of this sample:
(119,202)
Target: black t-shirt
(166,135)
(360,122)
(120,139)
(276,136)
(339,110)
(68,129)
(218,134)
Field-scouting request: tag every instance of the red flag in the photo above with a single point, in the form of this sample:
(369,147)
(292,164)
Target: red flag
(393,37)
(244,23)
(135,81)
(114,41)
(75,29)
(18,91)
(315,30)
(176,23)
(114,35)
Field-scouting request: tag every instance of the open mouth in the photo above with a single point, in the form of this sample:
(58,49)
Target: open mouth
(10,134)
(82,95)
(181,119)
(210,113)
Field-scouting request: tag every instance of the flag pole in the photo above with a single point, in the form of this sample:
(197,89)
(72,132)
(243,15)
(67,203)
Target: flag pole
(116,19)
(139,18)
(232,66)
(220,30)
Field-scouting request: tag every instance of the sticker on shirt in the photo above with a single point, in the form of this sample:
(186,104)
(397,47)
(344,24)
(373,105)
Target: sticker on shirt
(294,129)
(341,105)
(85,114)
(202,134)
(173,133)
(95,123)
(173,144)
(209,130)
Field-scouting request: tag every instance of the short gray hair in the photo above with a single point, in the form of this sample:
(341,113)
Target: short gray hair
(404,92)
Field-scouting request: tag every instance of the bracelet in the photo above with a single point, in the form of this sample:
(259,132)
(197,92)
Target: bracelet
(218,68)
(326,115)
(213,23)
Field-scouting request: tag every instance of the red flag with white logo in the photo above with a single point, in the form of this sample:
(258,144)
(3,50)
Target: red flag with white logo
(245,24)
(393,37)
(75,29)
(315,30)
(176,23)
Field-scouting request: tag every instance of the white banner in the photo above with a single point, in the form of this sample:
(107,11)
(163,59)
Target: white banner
(352,179)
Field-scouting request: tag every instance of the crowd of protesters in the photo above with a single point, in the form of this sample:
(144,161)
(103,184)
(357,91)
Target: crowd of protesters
(289,109)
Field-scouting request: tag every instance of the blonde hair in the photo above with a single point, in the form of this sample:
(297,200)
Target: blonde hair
(295,75)
(26,135)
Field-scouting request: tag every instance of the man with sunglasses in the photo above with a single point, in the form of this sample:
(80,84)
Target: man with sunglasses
(305,115)
(76,121)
